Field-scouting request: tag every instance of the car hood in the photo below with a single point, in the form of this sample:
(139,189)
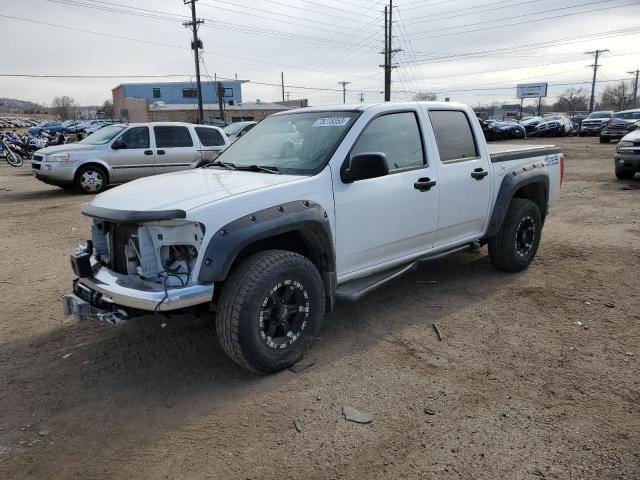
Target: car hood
(187,189)
(69,148)
(632,137)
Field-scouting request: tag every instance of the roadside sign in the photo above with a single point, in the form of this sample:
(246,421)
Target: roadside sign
(531,90)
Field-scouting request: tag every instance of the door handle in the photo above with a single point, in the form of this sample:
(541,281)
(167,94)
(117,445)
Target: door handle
(148,152)
(479,173)
(424,184)
(160,152)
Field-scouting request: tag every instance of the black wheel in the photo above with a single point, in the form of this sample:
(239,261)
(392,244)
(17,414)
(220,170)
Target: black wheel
(90,179)
(270,310)
(14,159)
(625,174)
(516,244)
(605,139)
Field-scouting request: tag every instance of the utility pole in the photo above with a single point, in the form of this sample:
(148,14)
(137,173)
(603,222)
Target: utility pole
(388,49)
(635,87)
(282,81)
(595,67)
(196,44)
(344,90)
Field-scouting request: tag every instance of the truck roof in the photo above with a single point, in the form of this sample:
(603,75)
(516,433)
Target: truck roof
(359,107)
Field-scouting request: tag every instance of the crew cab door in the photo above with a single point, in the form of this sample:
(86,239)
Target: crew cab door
(464,177)
(175,149)
(135,158)
(381,220)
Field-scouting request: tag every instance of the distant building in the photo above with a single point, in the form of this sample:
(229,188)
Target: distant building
(255,111)
(178,101)
(127,96)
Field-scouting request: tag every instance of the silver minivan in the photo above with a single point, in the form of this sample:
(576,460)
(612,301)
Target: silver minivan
(122,152)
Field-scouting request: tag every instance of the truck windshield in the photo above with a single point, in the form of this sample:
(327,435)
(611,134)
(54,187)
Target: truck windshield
(297,143)
(600,115)
(102,136)
(634,115)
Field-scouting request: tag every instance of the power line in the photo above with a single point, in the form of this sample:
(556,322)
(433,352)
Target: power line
(529,20)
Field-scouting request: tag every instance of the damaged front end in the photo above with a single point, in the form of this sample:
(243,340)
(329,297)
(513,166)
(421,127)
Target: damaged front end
(134,264)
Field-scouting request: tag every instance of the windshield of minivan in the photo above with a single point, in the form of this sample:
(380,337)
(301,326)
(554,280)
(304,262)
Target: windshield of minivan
(635,115)
(290,143)
(102,136)
(234,128)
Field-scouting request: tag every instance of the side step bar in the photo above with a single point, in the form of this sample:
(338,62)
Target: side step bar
(358,288)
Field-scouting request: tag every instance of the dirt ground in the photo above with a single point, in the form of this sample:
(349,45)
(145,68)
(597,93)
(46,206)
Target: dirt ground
(537,375)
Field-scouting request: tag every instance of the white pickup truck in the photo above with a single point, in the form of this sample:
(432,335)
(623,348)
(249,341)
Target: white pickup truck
(270,240)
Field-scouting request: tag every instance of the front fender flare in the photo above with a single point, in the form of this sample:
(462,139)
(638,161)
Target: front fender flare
(303,216)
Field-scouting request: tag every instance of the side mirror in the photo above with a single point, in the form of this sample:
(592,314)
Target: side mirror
(118,144)
(363,166)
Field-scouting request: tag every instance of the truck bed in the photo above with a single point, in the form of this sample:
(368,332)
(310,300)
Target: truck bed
(502,152)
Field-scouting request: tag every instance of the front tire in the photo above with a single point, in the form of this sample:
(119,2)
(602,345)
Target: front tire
(91,179)
(605,139)
(270,310)
(515,245)
(14,159)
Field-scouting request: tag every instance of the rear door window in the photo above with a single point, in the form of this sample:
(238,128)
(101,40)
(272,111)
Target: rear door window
(454,136)
(172,137)
(209,137)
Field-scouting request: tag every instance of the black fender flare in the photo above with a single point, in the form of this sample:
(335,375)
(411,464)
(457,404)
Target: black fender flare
(304,217)
(511,183)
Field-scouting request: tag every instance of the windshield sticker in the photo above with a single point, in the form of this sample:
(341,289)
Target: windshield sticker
(331,122)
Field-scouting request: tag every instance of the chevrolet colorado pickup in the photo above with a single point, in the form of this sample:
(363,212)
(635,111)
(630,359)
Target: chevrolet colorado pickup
(269,239)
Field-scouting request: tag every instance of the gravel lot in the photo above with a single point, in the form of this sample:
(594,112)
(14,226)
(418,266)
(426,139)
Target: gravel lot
(537,375)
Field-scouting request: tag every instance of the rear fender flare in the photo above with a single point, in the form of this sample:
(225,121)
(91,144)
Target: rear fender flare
(511,183)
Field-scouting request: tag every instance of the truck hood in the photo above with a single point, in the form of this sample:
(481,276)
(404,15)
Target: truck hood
(187,189)
(632,137)
(69,148)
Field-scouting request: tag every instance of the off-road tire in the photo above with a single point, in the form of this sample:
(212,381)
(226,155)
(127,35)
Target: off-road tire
(238,321)
(605,139)
(78,183)
(625,174)
(503,247)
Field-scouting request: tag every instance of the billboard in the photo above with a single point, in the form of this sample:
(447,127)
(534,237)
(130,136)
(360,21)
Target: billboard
(531,90)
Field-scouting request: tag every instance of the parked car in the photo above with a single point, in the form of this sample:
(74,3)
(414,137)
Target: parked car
(272,241)
(508,130)
(627,157)
(54,127)
(592,125)
(530,124)
(555,125)
(237,129)
(620,124)
(119,153)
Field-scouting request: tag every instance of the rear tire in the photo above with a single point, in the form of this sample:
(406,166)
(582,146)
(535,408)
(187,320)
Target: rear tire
(90,179)
(270,310)
(625,174)
(515,245)
(605,139)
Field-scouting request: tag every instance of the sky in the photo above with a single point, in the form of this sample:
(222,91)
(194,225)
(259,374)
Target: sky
(472,51)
